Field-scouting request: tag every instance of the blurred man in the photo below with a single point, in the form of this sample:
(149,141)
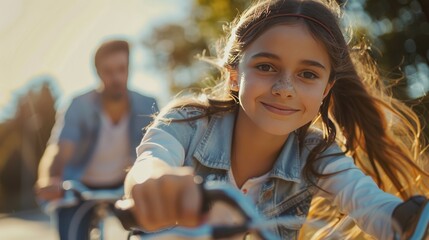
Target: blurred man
(95,141)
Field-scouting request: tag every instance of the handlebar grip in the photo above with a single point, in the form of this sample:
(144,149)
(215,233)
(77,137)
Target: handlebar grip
(206,202)
(224,232)
(122,211)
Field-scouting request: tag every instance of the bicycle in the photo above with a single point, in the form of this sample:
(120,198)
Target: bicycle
(101,200)
(254,222)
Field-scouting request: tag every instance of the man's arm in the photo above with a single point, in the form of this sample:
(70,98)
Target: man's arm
(55,157)
(58,153)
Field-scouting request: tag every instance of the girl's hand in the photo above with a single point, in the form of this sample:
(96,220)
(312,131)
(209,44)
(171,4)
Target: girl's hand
(166,200)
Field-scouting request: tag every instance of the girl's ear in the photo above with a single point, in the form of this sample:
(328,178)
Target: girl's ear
(328,88)
(233,79)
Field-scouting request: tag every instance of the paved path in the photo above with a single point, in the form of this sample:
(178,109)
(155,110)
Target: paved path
(34,225)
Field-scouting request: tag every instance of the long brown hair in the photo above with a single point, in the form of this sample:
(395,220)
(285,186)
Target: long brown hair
(382,134)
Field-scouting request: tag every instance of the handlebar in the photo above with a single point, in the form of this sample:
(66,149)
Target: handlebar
(253,221)
(420,230)
(75,191)
(212,192)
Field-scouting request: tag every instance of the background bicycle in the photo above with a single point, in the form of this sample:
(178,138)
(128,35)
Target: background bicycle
(98,202)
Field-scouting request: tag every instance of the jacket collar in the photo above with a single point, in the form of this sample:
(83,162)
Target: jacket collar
(132,98)
(214,149)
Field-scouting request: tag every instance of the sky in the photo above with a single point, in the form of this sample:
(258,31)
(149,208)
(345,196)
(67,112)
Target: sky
(57,39)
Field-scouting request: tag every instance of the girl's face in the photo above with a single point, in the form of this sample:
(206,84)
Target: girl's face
(282,79)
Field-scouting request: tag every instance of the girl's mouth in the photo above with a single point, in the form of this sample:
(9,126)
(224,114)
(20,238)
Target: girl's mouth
(279,109)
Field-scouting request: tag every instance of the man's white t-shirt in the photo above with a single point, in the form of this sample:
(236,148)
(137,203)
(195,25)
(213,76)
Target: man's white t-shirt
(111,157)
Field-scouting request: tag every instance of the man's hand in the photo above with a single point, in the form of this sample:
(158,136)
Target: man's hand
(49,189)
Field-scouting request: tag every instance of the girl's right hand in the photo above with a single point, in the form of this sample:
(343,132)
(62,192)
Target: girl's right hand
(167,200)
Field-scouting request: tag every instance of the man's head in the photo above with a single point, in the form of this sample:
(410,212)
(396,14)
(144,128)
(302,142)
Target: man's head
(111,62)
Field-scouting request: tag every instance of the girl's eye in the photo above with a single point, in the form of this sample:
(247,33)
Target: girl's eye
(308,75)
(265,68)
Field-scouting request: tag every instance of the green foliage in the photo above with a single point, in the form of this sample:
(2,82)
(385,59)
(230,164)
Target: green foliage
(177,45)
(213,15)
(399,30)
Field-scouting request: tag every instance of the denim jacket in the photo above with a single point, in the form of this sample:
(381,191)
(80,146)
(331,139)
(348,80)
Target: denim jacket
(205,144)
(81,123)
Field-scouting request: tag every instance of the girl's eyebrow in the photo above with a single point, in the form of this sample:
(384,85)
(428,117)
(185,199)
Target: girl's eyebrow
(266,55)
(313,63)
(274,56)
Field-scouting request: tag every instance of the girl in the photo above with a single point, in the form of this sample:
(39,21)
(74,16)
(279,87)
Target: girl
(289,72)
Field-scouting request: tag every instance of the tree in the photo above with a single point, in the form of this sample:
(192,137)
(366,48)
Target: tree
(176,45)
(400,32)
(23,139)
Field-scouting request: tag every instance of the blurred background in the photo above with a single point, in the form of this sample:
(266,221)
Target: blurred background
(46,58)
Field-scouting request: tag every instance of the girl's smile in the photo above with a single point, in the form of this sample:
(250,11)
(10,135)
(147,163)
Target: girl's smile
(279,108)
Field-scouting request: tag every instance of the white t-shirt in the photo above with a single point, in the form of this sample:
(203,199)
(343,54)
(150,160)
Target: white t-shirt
(111,157)
(251,187)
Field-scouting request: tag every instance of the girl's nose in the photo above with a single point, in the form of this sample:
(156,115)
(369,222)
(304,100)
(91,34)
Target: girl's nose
(283,87)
